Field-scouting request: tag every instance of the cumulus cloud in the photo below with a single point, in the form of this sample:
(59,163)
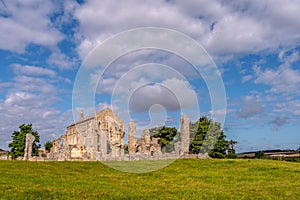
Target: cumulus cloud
(61,61)
(32,97)
(235,34)
(172,94)
(289,106)
(246,78)
(145,97)
(149,13)
(139,68)
(284,79)
(237,27)
(250,108)
(33,71)
(27,22)
(253,26)
(4,85)
(279,121)
(288,58)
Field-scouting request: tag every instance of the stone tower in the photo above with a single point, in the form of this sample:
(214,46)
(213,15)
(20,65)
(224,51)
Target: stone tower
(131,137)
(184,134)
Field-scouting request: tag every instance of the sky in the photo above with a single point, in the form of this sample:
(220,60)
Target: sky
(255,45)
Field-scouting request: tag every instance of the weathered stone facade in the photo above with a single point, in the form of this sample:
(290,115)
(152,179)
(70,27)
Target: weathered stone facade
(101,137)
(93,137)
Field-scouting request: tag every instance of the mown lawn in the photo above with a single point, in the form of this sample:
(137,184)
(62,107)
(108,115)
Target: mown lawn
(183,179)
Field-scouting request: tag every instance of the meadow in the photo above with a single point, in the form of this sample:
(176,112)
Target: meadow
(183,179)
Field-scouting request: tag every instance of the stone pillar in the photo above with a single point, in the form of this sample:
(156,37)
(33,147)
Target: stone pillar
(147,140)
(131,137)
(146,135)
(184,134)
(28,146)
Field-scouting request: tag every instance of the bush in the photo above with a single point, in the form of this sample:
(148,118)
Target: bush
(259,154)
(216,155)
(231,155)
(291,159)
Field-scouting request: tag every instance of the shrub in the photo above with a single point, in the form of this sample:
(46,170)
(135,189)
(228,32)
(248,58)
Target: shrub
(231,155)
(259,154)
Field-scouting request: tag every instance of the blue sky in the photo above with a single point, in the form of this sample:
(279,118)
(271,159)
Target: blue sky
(255,45)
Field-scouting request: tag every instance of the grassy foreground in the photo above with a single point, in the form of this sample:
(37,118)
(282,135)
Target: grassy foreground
(183,179)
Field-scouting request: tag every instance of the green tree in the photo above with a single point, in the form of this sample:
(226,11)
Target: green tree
(167,136)
(48,145)
(259,154)
(17,146)
(208,136)
(231,144)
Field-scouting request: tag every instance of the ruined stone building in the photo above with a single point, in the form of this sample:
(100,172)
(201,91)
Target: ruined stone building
(101,137)
(92,137)
(144,145)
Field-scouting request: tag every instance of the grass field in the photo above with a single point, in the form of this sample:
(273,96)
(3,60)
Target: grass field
(183,179)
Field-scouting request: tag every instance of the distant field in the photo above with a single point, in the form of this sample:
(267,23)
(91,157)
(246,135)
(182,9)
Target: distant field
(183,179)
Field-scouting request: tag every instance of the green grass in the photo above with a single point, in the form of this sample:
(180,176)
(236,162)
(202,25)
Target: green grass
(183,179)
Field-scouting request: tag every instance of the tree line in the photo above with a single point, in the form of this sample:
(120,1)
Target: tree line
(206,136)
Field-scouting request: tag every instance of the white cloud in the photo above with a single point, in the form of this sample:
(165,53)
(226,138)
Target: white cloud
(32,97)
(173,94)
(234,28)
(100,19)
(235,34)
(281,80)
(33,71)
(288,106)
(219,112)
(4,85)
(140,68)
(246,78)
(27,22)
(279,121)
(250,108)
(145,97)
(252,26)
(61,61)
(289,58)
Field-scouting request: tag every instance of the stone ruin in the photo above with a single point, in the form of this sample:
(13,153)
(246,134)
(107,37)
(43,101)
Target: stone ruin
(184,134)
(101,137)
(144,145)
(28,146)
(97,136)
